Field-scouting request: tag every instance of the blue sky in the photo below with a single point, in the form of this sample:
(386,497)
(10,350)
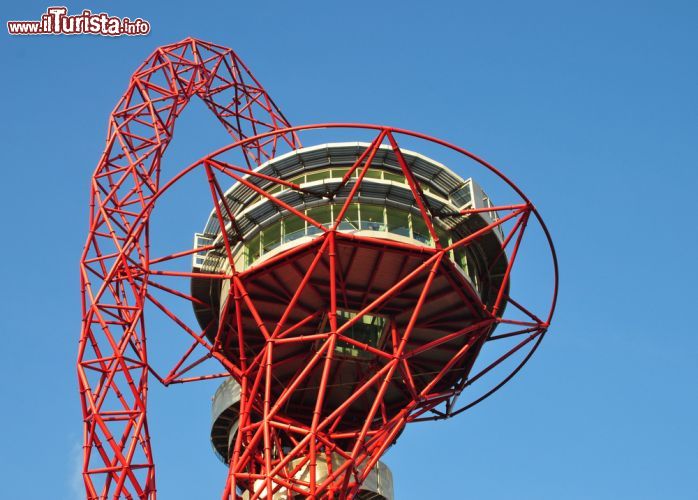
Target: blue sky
(591,107)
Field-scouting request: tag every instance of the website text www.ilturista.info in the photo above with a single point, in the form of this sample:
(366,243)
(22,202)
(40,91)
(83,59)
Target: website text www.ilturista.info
(56,21)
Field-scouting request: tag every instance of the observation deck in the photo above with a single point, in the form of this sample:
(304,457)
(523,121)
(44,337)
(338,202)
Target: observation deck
(385,209)
(381,238)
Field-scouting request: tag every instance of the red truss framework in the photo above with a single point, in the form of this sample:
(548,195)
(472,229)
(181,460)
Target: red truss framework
(272,452)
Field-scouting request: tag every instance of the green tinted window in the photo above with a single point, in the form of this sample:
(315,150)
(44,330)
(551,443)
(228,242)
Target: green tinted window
(443,235)
(372,218)
(398,221)
(419,229)
(271,237)
(321,214)
(389,176)
(294,227)
(461,257)
(299,179)
(339,173)
(350,221)
(367,330)
(317,176)
(253,249)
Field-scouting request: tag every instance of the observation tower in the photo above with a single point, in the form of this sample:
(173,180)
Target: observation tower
(341,289)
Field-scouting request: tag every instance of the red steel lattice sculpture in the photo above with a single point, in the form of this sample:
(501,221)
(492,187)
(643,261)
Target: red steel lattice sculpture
(340,334)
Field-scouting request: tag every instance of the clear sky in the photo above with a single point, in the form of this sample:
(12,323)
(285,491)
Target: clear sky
(591,107)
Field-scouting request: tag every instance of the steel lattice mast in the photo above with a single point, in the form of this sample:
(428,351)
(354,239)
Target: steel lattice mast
(312,404)
(112,357)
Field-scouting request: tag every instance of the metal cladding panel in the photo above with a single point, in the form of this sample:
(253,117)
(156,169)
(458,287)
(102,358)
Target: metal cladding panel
(343,159)
(263,211)
(227,395)
(298,168)
(224,417)
(368,188)
(314,158)
(401,195)
(271,169)
(246,224)
(380,481)
(318,190)
(464,194)
(285,162)
(212,226)
(391,161)
(241,195)
(377,486)
(422,169)
(333,154)
(290,197)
